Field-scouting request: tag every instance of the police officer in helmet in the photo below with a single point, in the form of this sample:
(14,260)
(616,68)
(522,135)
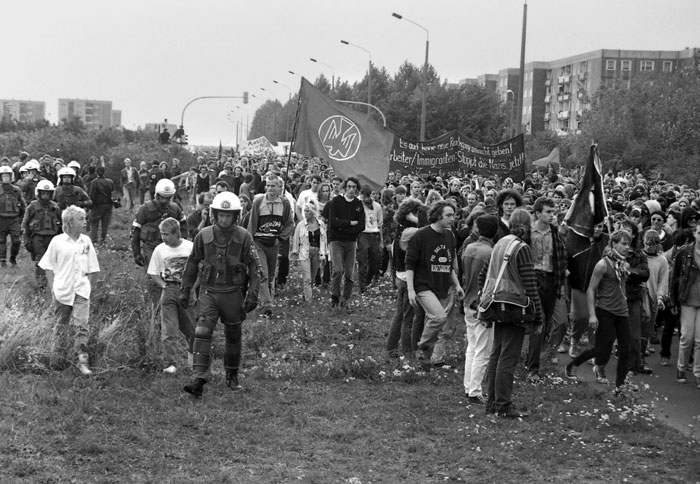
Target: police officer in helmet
(12,207)
(229,282)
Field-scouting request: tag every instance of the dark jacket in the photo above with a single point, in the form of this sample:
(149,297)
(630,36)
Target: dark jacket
(683,267)
(639,272)
(101,191)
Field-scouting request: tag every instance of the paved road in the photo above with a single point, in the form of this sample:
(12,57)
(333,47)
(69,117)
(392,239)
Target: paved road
(678,405)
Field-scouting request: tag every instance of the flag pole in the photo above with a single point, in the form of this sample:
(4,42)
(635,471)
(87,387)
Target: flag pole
(521,83)
(294,135)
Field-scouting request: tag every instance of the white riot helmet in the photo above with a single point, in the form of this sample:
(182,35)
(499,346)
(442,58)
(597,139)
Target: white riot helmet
(165,188)
(7,170)
(65,171)
(225,202)
(33,165)
(75,165)
(43,186)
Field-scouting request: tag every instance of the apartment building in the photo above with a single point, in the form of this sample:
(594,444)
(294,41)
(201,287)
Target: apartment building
(94,114)
(22,111)
(556,93)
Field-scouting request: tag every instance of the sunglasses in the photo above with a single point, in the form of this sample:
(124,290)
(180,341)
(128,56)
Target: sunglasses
(657,219)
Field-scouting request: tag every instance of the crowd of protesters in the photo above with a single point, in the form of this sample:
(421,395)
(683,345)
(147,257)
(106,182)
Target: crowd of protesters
(454,244)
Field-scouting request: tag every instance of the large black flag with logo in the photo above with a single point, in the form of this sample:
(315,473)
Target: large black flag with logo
(352,143)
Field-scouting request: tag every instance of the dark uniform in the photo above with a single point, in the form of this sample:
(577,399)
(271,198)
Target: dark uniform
(12,208)
(42,221)
(145,228)
(67,195)
(229,283)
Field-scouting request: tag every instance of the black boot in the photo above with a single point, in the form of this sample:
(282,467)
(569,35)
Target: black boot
(195,387)
(232,380)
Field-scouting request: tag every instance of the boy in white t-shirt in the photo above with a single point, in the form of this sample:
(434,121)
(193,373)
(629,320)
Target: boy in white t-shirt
(165,268)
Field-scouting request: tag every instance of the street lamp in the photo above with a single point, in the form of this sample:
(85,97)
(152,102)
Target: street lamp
(425,72)
(332,71)
(369,72)
(286,111)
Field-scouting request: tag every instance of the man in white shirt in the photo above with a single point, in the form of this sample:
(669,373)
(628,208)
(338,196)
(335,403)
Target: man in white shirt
(165,268)
(70,262)
(306,195)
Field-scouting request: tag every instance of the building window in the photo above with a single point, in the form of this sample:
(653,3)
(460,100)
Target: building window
(668,66)
(626,65)
(610,65)
(646,66)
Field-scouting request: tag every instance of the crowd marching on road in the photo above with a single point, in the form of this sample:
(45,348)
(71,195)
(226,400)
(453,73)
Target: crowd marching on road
(496,251)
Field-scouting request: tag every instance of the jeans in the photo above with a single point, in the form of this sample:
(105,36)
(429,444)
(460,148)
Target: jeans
(690,333)
(309,269)
(131,195)
(368,253)
(507,343)
(670,322)
(547,288)
(560,319)
(175,320)
(435,331)
(268,266)
(635,324)
(75,317)
(401,323)
(476,358)
(101,214)
(343,260)
(610,326)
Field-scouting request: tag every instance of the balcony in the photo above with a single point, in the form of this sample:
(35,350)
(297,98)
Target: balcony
(547,98)
(581,94)
(564,97)
(565,79)
(582,76)
(579,113)
(563,115)
(548,82)
(547,116)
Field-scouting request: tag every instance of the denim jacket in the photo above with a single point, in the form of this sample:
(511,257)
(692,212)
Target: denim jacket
(300,243)
(682,270)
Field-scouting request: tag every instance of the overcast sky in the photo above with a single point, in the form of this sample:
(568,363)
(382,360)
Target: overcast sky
(150,57)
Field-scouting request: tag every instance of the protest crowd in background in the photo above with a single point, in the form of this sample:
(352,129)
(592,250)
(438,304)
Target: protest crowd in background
(342,244)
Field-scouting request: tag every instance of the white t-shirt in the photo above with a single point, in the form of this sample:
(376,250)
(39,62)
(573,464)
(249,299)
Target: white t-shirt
(70,261)
(169,262)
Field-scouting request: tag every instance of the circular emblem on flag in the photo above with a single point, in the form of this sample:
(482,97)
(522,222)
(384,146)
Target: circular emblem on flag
(340,137)
(225,204)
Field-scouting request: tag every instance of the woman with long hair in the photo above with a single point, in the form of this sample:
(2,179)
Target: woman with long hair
(309,246)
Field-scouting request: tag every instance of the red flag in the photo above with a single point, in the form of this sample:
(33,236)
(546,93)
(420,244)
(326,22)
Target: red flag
(354,144)
(589,207)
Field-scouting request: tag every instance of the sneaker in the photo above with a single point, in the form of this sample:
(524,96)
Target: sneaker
(599,372)
(643,370)
(511,412)
(83,364)
(562,348)
(195,387)
(574,349)
(171,370)
(680,376)
(232,381)
(570,371)
(479,400)
(533,376)
(665,362)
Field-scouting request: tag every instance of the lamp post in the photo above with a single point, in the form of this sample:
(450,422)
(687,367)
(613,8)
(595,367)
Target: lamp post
(332,72)
(286,111)
(512,104)
(369,72)
(425,72)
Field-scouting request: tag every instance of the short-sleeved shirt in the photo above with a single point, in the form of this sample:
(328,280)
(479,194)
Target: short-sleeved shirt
(169,262)
(70,261)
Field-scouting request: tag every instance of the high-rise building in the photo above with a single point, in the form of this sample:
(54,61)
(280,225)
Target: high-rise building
(556,93)
(116,117)
(94,114)
(22,111)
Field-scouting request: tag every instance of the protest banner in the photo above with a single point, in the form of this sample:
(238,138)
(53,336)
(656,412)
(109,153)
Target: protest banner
(455,154)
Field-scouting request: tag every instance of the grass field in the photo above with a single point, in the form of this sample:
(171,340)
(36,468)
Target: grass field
(321,404)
